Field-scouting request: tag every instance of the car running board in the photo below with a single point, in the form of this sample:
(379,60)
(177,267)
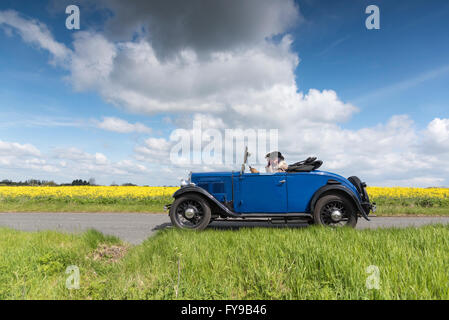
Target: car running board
(274,215)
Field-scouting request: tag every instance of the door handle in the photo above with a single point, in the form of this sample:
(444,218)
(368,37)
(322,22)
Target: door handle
(282,181)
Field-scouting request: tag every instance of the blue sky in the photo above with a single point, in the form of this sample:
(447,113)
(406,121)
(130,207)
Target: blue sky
(401,69)
(338,53)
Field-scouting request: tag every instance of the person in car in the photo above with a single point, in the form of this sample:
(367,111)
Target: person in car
(276,162)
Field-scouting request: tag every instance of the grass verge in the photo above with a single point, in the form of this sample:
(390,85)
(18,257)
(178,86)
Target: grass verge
(256,263)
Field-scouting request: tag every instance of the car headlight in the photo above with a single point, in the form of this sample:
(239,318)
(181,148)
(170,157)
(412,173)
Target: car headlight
(188,181)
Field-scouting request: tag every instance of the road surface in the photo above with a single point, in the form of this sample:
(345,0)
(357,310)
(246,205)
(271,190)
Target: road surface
(136,227)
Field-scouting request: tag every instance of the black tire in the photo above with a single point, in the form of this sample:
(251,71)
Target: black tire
(360,186)
(202,215)
(322,214)
(357,183)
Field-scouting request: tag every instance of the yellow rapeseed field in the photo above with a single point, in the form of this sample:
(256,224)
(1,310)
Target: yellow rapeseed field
(149,192)
(404,192)
(86,192)
(390,201)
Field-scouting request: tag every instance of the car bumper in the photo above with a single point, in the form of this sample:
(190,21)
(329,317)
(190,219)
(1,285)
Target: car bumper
(368,207)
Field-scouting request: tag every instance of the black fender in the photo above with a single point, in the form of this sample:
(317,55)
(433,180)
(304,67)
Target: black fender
(332,186)
(204,193)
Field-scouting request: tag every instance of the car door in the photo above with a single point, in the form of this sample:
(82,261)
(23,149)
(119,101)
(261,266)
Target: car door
(301,188)
(262,193)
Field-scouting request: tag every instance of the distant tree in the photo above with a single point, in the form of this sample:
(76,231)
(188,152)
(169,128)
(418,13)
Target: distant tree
(80,182)
(6,182)
(92,181)
(29,182)
(128,184)
(113,184)
(33,182)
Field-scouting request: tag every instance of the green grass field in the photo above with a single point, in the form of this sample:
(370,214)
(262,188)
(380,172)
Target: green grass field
(259,263)
(80,204)
(427,206)
(385,206)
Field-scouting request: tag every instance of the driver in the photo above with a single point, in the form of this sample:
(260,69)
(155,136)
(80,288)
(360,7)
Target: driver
(276,162)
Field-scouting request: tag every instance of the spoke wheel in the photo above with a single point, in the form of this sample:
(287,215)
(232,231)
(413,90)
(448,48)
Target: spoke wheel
(190,212)
(335,211)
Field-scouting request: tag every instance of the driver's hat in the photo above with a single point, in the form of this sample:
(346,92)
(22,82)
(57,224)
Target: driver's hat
(274,155)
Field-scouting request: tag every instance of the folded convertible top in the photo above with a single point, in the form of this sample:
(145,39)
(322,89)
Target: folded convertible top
(307,165)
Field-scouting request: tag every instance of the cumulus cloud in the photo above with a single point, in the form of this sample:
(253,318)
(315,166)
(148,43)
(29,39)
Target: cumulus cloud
(154,150)
(201,25)
(229,83)
(384,154)
(122,126)
(92,61)
(257,84)
(24,161)
(17,149)
(129,74)
(437,136)
(95,164)
(23,156)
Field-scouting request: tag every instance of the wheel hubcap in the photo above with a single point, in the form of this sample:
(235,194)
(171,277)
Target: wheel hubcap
(190,213)
(336,215)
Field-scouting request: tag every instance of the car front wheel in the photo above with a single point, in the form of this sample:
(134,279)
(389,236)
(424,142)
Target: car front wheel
(190,212)
(335,211)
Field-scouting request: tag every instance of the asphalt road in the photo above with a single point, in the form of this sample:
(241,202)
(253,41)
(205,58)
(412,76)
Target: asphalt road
(136,227)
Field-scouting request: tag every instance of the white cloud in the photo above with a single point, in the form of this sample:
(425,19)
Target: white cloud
(157,144)
(100,159)
(437,136)
(16,149)
(130,74)
(25,161)
(122,126)
(154,150)
(23,157)
(92,61)
(34,32)
(73,153)
(385,154)
(74,163)
(420,181)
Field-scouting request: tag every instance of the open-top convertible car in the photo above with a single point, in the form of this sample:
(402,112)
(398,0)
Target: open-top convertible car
(302,194)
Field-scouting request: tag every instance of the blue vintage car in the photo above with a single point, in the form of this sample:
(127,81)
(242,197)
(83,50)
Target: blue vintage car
(303,193)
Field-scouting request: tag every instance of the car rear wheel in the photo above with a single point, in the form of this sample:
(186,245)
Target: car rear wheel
(335,211)
(190,212)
